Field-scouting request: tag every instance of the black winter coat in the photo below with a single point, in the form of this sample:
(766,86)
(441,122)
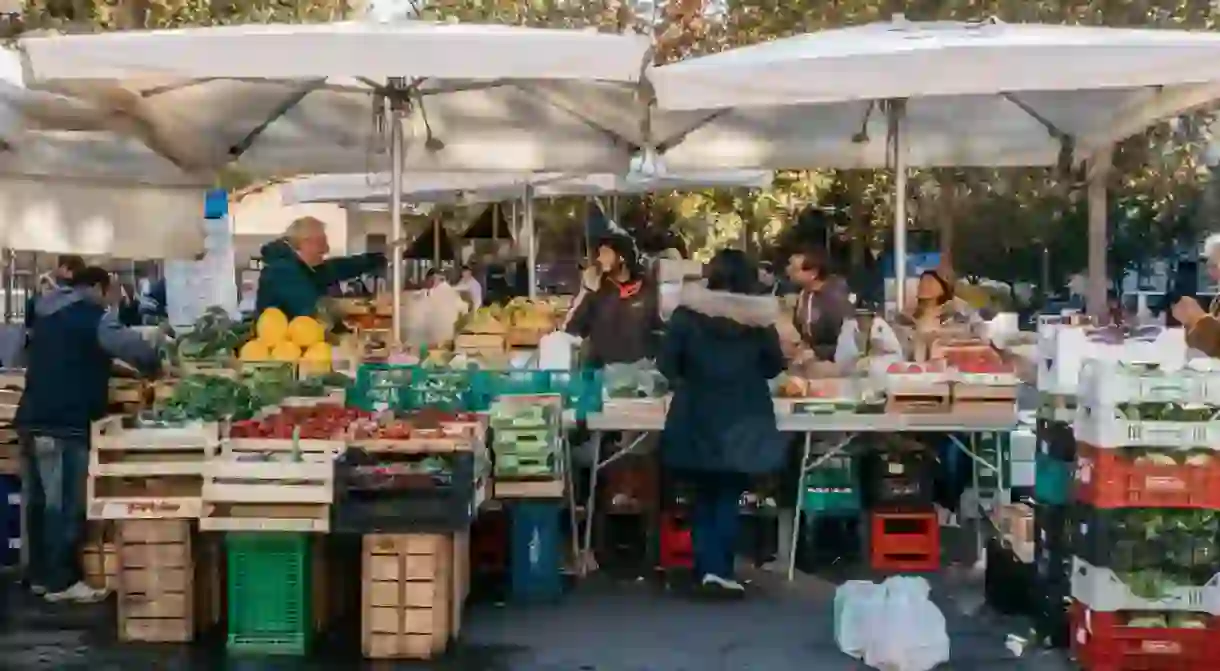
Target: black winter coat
(719,353)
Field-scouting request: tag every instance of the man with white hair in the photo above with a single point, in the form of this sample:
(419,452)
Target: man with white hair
(296,272)
(1202,326)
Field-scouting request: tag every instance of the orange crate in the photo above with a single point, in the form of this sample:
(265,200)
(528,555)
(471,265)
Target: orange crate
(1104,642)
(904,541)
(1110,478)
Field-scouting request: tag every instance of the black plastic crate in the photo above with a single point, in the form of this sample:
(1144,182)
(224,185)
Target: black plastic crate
(1008,582)
(830,541)
(896,479)
(1052,543)
(758,540)
(1056,440)
(1182,542)
(377,494)
(1051,619)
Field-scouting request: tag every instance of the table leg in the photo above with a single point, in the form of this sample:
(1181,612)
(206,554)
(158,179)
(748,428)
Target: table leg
(585,557)
(796,513)
(574,527)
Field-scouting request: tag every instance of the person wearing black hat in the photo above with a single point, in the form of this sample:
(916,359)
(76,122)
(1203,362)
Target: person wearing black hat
(618,313)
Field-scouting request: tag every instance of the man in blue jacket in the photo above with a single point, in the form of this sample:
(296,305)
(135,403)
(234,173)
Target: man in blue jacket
(67,385)
(296,272)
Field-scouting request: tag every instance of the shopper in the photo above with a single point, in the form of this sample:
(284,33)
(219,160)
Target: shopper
(824,302)
(619,319)
(65,267)
(297,273)
(470,286)
(719,353)
(67,382)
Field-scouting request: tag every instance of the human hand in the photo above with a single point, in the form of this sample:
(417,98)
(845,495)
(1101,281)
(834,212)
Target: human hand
(1188,311)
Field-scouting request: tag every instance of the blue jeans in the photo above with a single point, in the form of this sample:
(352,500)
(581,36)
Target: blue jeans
(716,521)
(57,510)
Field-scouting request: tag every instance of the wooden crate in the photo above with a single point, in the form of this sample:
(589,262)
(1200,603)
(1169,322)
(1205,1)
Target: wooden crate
(10,452)
(479,343)
(989,400)
(412,590)
(147,473)
(932,398)
(127,392)
(254,484)
(156,599)
(99,558)
(10,398)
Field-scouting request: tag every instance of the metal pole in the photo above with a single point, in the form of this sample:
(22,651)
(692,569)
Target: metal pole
(436,242)
(531,251)
(1098,176)
(897,109)
(396,270)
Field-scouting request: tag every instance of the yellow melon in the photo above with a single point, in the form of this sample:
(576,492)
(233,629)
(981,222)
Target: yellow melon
(255,350)
(305,332)
(286,351)
(272,326)
(317,358)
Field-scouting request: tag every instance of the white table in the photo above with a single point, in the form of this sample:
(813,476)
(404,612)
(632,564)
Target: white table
(847,425)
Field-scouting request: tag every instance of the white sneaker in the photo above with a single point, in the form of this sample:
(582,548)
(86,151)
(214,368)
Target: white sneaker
(712,580)
(78,593)
(38,590)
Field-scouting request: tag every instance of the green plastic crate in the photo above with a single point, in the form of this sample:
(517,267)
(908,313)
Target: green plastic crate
(1052,480)
(270,592)
(381,386)
(831,488)
(581,390)
(835,473)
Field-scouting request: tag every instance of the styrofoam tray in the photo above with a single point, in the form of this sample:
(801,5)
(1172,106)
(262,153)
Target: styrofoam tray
(1102,590)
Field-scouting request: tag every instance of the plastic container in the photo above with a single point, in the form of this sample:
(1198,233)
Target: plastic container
(904,542)
(1052,546)
(270,592)
(1104,641)
(1108,478)
(1118,539)
(442,503)
(831,489)
(897,480)
(1008,582)
(676,549)
(1108,383)
(1107,428)
(1056,440)
(534,551)
(381,386)
(1101,589)
(1052,480)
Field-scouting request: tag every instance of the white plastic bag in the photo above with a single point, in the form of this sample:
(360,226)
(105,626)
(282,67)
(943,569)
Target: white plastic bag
(911,634)
(857,605)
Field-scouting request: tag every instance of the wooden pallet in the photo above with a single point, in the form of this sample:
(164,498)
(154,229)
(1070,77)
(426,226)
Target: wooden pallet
(147,473)
(156,586)
(256,484)
(412,590)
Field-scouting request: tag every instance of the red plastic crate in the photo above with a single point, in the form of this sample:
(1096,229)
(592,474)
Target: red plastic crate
(1103,642)
(677,550)
(1109,478)
(904,541)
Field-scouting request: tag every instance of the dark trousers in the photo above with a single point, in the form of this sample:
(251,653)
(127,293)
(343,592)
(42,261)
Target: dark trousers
(56,472)
(715,520)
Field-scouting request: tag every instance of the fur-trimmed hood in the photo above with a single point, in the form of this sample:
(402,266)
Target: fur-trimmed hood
(743,309)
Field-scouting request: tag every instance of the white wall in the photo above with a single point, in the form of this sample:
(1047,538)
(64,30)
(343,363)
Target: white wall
(261,216)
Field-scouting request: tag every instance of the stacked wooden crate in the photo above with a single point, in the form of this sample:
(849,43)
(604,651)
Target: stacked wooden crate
(12,384)
(262,484)
(156,583)
(99,558)
(413,589)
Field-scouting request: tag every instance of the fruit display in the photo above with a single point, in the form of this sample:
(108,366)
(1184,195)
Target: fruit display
(525,314)
(301,340)
(633,381)
(486,321)
(215,336)
(908,368)
(975,360)
(317,422)
(214,398)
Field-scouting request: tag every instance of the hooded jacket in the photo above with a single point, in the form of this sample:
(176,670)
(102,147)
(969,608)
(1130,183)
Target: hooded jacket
(719,353)
(67,376)
(619,321)
(288,283)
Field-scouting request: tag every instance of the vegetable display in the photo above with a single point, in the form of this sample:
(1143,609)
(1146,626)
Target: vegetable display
(1156,550)
(213,337)
(1168,412)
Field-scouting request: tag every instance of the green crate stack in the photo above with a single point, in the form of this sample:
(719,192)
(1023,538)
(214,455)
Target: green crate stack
(580,389)
(526,439)
(270,595)
(381,386)
(831,490)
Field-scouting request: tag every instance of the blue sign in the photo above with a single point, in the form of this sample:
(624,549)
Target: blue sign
(215,204)
(916,263)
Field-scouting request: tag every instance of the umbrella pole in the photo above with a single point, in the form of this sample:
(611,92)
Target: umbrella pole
(396,269)
(897,115)
(1098,174)
(436,242)
(531,250)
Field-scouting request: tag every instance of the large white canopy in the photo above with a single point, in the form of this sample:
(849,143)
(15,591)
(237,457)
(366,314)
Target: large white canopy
(977,94)
(493,187)
(279,100)
(93,193)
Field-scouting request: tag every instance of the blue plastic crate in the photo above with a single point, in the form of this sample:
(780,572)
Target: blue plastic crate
(1052,480)
(535,540)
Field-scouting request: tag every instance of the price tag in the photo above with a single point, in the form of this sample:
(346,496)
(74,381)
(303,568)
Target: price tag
(1165,483)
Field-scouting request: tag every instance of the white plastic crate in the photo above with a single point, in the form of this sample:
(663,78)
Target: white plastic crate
(1108,383)
(1102,590)
(1106,427)
(1063,351)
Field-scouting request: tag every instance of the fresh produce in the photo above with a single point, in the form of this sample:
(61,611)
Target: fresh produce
(634,380)
(485,320)
(209,398)
(905,368)
(255,350)
(214,336)
(1155,550)
(305,332)
(272,327)
(1168,412)
(287,352)
(523,313)
(319,422)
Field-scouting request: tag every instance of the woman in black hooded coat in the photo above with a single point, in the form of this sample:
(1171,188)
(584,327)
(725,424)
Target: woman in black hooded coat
(719,352)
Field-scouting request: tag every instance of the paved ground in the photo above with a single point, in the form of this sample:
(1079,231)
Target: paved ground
(603,626)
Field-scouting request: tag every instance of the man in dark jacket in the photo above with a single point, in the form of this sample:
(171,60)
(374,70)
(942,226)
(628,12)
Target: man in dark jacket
(67,384)
(65,267)
(824,302)
(619,316)
(296,272)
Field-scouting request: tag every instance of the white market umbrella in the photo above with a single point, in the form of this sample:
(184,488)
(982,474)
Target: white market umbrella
(283,100)
(909,94)
(90,193)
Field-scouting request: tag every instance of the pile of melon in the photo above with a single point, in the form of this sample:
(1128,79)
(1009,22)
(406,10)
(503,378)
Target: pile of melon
(302,340)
